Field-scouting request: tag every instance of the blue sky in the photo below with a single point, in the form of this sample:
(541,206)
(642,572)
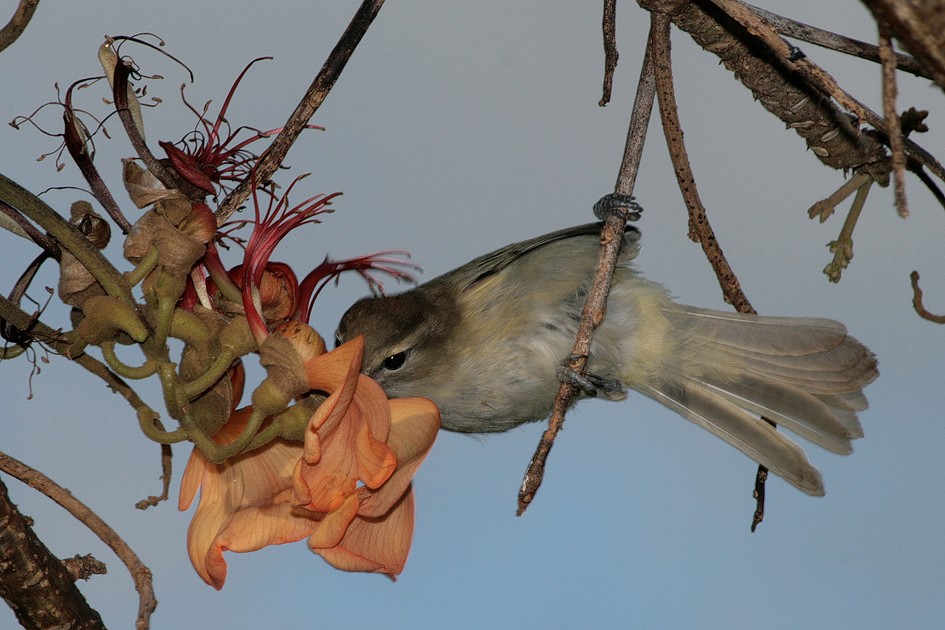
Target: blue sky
(457,128)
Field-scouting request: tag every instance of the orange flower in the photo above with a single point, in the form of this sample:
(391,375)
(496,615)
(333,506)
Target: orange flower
(347,488)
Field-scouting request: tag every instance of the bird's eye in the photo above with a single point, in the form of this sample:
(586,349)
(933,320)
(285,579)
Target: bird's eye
(395,361)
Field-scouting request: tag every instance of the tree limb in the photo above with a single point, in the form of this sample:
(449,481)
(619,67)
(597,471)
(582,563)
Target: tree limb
(33,581)
(18,23)
(139,572)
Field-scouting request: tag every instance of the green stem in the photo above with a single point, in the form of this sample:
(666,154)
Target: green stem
(150,425)
(189,328)
(143,268)
(68,237)
(205,381)
(119,367)
(11,352)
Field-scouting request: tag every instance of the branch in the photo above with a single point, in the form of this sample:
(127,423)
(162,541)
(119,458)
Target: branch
(839,43)
(139,572)
(611,239)
(700,230)
(699,227)
(33,581)
(314,97)
(919,27)
(893,126)
(17,24)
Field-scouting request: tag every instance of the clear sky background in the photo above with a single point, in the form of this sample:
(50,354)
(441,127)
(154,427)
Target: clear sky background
(459,127)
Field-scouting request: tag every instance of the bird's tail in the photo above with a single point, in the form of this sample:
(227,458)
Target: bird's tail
(805,374)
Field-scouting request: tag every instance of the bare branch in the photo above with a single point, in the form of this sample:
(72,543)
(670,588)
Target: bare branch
(33,581)
(611,239)
(700,229)
(893,126)
(314,97)
(917,302)
(17,24)
(139,572)
(610,49)
(840,43)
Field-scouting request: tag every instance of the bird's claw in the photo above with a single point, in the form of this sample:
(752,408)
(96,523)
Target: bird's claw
(621,205)
(591,385)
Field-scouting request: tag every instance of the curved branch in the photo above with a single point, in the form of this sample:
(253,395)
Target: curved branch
(918,305)
(17,24)
(140,574)
(700,229)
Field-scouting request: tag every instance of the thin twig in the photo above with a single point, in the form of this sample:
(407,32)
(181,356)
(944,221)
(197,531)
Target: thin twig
(893,126)
(140,574)
(595,305)
(299,119)
(610,49)
(699,227)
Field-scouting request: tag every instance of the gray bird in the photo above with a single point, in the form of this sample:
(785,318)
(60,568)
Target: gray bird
(485,343)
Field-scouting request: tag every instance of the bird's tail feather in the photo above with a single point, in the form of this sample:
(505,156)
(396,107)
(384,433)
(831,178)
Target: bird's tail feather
(805,374)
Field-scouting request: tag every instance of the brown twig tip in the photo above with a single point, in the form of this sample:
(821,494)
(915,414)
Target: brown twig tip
(316,94)
(759,493)
(84,567)
(917,302)
(610,49)
(893,125)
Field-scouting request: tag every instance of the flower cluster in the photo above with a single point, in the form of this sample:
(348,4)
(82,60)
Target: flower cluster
(346,487)
(320,453)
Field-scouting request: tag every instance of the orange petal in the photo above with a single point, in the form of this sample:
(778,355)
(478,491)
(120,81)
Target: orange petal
(328,371)
(376,546)
(332,528)
(245,503)
(344,443)
(414,426)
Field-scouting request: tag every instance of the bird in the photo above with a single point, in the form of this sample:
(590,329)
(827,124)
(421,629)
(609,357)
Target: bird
(486,342)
